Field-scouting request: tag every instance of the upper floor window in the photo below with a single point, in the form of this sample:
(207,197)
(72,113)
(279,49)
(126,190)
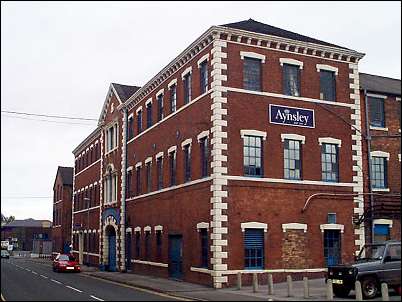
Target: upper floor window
(327,85)
(159,169)
(204,156)
(130,127)
(379,172)
(110,185)
(204,76)
(149,114)
(111,138)
(149,176)
(128,183)
(172,168)
(187,88)
(329,162)
(139,121)
(252,74)
(187,163)
(292,159)
(138,181)
(377,113)
(252,156)
(160,107)
(173,97)
(291,79)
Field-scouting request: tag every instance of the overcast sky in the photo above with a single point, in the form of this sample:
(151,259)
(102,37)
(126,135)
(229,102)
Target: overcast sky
(59,58)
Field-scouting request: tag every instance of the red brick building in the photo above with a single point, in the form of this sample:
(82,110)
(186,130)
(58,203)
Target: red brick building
(243,154)
(381,125)
(62,196)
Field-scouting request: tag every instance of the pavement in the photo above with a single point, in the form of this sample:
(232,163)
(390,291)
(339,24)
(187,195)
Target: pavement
(197,292)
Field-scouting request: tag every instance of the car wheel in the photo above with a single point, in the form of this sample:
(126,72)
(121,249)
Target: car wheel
(341,291)
(369,287)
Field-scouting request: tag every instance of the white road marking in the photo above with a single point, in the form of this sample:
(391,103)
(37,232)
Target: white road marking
(80,291)
(43,276)
(35,273)
(55,281)
(96,298)
(28,270)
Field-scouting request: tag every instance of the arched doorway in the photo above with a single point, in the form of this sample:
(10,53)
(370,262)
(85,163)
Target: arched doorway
(111,240)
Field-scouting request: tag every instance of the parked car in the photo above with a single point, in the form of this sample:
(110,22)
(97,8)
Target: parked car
(66,263)
(5,254)
(376,264)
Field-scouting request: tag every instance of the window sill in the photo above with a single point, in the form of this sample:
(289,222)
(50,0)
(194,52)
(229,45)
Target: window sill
(110,203)
(379,128)
(380,190)
(111,151)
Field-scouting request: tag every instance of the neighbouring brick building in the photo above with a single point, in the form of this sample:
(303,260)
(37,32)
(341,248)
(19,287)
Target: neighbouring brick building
(382,128)
(244,153)
(62,200)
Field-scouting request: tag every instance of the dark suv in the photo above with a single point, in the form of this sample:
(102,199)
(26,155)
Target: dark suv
(376,263)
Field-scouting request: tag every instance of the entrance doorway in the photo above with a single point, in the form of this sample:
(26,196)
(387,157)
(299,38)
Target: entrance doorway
(332,247)
(111,238)
(175,256)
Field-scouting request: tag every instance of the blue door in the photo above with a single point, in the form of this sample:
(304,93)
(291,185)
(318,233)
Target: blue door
(175,256)
(332,247)
(112,252)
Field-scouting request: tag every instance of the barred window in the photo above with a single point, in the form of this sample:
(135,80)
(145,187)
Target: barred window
(204,76)
(204,156)
(252,156)
(291,80)
(292,159)
(160,107)
(327,85)
(254,249)
(187,88)
(329,162)
(377,113)
(379,172)
(173,96)
(172,168)
(252,74)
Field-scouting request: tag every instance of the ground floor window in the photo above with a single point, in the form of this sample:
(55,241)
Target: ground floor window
(254,249)
(332,247)
(204,247)
(381,232)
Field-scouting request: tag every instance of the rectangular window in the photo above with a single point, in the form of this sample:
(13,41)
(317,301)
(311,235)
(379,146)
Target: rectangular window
(252,74)
(137,244)
(381,232)
(159,169)
(187,163)
(139,121)
(292,159)
(327,85)
(149,177)
(252,156)
(291,80)
(187,88)
(138,181)
(130,128)
(128,184)
(172,168)
(160,107)
(377,113)
(149,115)
(204,76)
(332,247)
(173,96)
(204,156)
(204,247)
(331,218)
(147,244)
(254,249)
(329,162)
(159,244)
(379,172)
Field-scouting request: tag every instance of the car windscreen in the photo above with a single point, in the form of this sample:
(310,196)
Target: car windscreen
(66,258)
(372,252)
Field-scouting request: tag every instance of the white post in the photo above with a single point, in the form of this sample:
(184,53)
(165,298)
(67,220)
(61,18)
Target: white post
(330,290)
(384,292)
(306,289)
(255,282)
(358,291)
(239,280)
(290,285)
(270,285)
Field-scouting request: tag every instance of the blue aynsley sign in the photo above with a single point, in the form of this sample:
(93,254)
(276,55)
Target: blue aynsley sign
(291,116)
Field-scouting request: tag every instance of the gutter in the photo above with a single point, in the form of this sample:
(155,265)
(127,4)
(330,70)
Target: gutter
(123,193)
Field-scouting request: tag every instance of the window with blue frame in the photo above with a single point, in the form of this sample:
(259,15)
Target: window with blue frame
(253,249)
(291,80)
(204,247)
(379,172)
(376,111)
(252,74)
(252,156)
(204,76)
(329,162)
(381,232)
(327,85)
(292,159)
(331,218)
(332,247)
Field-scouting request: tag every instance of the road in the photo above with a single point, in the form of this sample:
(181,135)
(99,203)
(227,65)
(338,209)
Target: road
(25,280)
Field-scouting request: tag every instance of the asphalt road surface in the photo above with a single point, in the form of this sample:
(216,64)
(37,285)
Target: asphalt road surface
(24,280)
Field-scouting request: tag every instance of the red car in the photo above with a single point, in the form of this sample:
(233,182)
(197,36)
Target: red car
(66,263)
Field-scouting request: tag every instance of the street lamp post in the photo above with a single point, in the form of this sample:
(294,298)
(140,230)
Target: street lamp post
(87,202)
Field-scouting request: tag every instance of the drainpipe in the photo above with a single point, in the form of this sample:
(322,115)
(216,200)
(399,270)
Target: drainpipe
(368,139)
(123,194)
